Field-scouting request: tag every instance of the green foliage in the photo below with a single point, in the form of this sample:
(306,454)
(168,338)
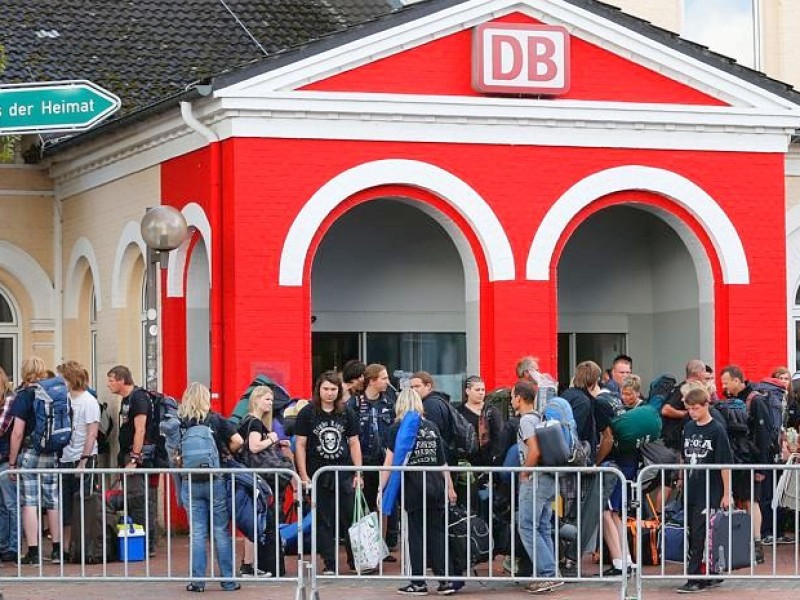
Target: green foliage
(9,143)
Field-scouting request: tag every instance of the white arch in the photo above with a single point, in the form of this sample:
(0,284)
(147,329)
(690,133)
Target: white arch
(24,268)
(689,195)
(74,280)
(451,189)
(196,219)
(120,277)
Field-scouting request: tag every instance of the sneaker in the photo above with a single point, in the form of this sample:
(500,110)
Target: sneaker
(542,587)
(413,590)
(691,587)
(55,557)
(247,570)
(785,539)
(30,559)
(712,583)
(327,572)
(446,588)
(759,553)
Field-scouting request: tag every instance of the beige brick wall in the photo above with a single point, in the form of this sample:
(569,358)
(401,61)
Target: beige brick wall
(100,215)
(664,13)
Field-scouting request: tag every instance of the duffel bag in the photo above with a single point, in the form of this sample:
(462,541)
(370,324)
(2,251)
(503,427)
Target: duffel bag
(635,427)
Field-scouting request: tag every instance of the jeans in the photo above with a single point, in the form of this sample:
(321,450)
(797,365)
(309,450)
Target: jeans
(9,534)
(535,515)
(198,504)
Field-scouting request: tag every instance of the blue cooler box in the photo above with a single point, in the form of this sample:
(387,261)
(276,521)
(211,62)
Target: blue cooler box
(131,543)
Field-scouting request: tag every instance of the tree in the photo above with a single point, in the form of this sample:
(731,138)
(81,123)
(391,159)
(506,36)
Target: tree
(8,143)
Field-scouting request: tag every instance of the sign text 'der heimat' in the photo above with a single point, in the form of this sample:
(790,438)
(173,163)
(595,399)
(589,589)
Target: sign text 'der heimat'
(510,58)
(54,106)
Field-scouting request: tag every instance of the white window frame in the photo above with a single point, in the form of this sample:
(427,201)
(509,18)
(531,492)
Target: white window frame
(11,330)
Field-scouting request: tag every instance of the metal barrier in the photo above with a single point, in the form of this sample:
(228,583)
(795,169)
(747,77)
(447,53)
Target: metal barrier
(655,479)
(583,485)
(169,562)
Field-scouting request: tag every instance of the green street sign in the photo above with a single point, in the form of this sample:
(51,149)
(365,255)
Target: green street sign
(54,106)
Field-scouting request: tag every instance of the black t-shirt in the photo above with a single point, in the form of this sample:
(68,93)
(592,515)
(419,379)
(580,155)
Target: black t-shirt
(136,403)
(327,436)
(250,425)
(429,451)
(705,445)
(607,407)
(671,429)
(584,413)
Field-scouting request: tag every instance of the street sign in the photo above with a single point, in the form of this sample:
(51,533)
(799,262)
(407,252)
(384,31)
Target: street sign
(54,106)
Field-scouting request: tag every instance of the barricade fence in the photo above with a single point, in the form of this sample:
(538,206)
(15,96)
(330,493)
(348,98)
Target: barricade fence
(122,543)
(564,505)
(682,502)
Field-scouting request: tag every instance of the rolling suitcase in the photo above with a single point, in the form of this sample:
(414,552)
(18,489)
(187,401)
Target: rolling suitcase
(730,541)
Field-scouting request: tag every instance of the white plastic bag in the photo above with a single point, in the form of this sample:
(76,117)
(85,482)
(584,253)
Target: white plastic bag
(366,536)
(787,492)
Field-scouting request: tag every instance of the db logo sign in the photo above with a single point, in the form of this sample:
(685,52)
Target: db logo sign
(521,59)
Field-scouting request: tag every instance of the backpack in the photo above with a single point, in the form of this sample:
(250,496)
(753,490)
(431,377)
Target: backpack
(770,397)
(558,409)
(467,531)
(162,408)
(52,428)
(198,448)
(635,427)
(464,442)
(735,417)
(501,400)
(104,429)
(660,389)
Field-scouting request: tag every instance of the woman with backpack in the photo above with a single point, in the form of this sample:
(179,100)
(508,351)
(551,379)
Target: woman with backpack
(262,448)
(488,424)
(204,496)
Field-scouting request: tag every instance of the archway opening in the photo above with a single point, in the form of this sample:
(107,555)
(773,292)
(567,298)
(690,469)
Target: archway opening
(634,280)
(395,282)
(198,316)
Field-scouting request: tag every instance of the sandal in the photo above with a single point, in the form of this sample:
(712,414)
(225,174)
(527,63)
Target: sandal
(193,587)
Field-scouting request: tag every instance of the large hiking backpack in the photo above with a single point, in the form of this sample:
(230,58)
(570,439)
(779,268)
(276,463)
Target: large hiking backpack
(280,399)
(501,400)
(464,442)
(770,416)
(467,531)
(735,417)
(660,390)
(635,427)
(198,448)
(558,409)
(52,429)
(162,408)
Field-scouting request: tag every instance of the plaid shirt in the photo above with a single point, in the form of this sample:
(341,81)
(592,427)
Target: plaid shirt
(6,425)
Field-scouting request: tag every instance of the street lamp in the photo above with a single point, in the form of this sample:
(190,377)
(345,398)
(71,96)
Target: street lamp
(163,229)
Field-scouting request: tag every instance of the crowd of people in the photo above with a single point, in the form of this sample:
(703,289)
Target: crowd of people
(356,419)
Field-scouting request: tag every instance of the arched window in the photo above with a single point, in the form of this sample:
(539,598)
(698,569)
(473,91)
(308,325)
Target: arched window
(93,336)
(9,336)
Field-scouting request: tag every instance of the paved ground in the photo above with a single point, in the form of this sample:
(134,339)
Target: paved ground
(88,584)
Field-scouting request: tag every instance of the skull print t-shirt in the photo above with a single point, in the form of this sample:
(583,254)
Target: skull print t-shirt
(705,445)
(327,435)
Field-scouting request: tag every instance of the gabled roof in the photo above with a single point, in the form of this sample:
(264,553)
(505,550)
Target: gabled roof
(226,56)
(148,50)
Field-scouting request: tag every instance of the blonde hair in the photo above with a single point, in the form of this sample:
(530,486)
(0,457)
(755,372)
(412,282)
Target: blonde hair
(253,408)
(33,369)
(5,384)
(407,401)
(196,402)
(633,382)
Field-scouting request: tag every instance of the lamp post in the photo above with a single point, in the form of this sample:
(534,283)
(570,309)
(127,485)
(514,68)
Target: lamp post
(163,229)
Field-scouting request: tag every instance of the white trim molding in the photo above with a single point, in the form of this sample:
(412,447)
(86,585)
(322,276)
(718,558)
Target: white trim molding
(690,196)
(131,237)
(24,268)
(82,249)
(197,220)
(458,194)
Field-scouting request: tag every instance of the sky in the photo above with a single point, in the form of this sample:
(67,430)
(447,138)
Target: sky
(725,26)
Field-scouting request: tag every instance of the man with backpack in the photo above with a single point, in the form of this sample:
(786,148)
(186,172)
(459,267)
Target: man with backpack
(535,510)
(674,413)
(31,436)
(135,431)
(754,436)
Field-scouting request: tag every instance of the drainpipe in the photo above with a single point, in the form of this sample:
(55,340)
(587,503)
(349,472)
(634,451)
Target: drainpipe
(214,211)
(58,257)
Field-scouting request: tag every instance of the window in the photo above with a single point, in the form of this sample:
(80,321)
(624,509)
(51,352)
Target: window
(573,348)
(9,336)
(729,27)
(93,336)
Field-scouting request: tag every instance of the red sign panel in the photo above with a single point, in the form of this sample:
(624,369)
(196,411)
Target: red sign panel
(520,59)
